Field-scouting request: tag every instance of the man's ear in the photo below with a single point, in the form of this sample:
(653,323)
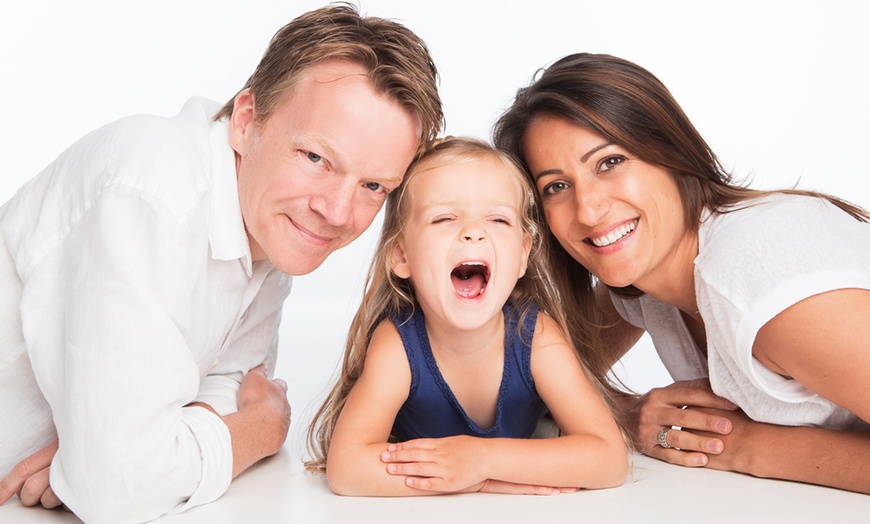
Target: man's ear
(241,119)
(399,262)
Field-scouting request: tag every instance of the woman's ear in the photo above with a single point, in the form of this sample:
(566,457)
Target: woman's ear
(399,262)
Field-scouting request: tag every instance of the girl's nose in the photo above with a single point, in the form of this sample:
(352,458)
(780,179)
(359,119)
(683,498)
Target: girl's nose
(473,233)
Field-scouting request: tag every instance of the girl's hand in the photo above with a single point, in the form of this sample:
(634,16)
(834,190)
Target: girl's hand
(674,406)
(29,480)
(448,465)
(509,488)
(445,464)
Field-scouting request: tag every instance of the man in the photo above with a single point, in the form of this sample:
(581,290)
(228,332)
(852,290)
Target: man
(142,273)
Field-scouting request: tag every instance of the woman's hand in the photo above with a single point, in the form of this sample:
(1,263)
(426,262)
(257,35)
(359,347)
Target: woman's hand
(29,480)
(675,405)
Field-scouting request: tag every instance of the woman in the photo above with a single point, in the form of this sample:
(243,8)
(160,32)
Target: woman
(764,293)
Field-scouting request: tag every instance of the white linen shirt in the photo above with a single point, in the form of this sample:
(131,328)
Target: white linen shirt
(127,291)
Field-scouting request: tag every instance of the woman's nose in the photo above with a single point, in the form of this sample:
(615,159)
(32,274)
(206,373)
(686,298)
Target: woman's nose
(591,205)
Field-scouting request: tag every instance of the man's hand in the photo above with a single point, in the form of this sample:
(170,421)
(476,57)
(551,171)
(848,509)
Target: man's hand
(29,480)
(260,426)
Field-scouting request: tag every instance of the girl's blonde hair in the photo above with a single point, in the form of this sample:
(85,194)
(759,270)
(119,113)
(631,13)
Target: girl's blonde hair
(386,294)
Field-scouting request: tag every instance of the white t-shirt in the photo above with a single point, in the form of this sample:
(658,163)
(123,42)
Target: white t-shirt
(126,292)
(753,263)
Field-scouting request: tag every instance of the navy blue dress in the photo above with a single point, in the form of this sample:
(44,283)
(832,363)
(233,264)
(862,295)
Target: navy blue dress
(432,411)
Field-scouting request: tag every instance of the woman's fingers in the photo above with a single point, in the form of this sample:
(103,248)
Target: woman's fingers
(671,413)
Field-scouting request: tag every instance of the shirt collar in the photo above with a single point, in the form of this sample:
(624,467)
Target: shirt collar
(227,235)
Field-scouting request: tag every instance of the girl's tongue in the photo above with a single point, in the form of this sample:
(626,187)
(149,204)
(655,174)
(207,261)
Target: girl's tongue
(469,280)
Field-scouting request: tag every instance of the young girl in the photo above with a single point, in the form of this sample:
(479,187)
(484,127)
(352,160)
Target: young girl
(458,349)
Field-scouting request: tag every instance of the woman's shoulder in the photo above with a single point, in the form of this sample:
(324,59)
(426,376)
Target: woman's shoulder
(779,241)
(778,224)
(772,210)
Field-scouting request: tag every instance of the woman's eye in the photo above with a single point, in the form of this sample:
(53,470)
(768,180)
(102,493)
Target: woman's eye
(314,157)
(555,187)
(610,162)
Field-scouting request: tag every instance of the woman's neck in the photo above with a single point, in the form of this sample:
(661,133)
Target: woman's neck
(673,282)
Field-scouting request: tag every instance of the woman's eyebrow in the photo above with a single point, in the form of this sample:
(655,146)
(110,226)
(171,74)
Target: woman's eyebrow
(583,160)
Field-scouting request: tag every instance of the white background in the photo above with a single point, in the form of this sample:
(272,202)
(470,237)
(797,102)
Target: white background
(778,88)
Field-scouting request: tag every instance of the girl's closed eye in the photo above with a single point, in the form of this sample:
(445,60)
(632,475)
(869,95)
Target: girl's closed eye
(443,218)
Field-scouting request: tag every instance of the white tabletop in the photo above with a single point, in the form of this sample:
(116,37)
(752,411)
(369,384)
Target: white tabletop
(279,490)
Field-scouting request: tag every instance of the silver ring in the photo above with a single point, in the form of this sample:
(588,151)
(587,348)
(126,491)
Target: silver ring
(663,438)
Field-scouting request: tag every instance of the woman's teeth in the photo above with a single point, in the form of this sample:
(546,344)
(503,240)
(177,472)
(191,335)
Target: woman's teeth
(615,235)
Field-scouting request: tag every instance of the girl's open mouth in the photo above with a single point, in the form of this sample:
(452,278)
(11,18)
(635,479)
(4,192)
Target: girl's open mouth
(470,278)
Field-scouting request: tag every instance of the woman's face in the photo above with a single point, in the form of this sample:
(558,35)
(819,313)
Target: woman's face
(618,216)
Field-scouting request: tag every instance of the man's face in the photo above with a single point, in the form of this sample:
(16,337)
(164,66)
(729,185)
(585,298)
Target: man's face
(313,176)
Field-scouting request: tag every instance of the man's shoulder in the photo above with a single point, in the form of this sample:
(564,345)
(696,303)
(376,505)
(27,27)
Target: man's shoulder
(168,158)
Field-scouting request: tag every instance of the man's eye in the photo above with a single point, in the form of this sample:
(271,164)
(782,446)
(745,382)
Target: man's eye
(314,157)
(374,186)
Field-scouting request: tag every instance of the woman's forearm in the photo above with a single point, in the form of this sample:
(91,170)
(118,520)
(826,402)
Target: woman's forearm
(839,459)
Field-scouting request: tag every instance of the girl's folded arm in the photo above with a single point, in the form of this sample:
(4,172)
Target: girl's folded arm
(591,453)
(354,465)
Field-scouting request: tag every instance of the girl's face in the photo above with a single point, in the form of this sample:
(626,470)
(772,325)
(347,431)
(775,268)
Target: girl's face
(463,246)
(618,216)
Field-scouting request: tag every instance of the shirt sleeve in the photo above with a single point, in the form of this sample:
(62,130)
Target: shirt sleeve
(129,449)
(755,263)
(220,388)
